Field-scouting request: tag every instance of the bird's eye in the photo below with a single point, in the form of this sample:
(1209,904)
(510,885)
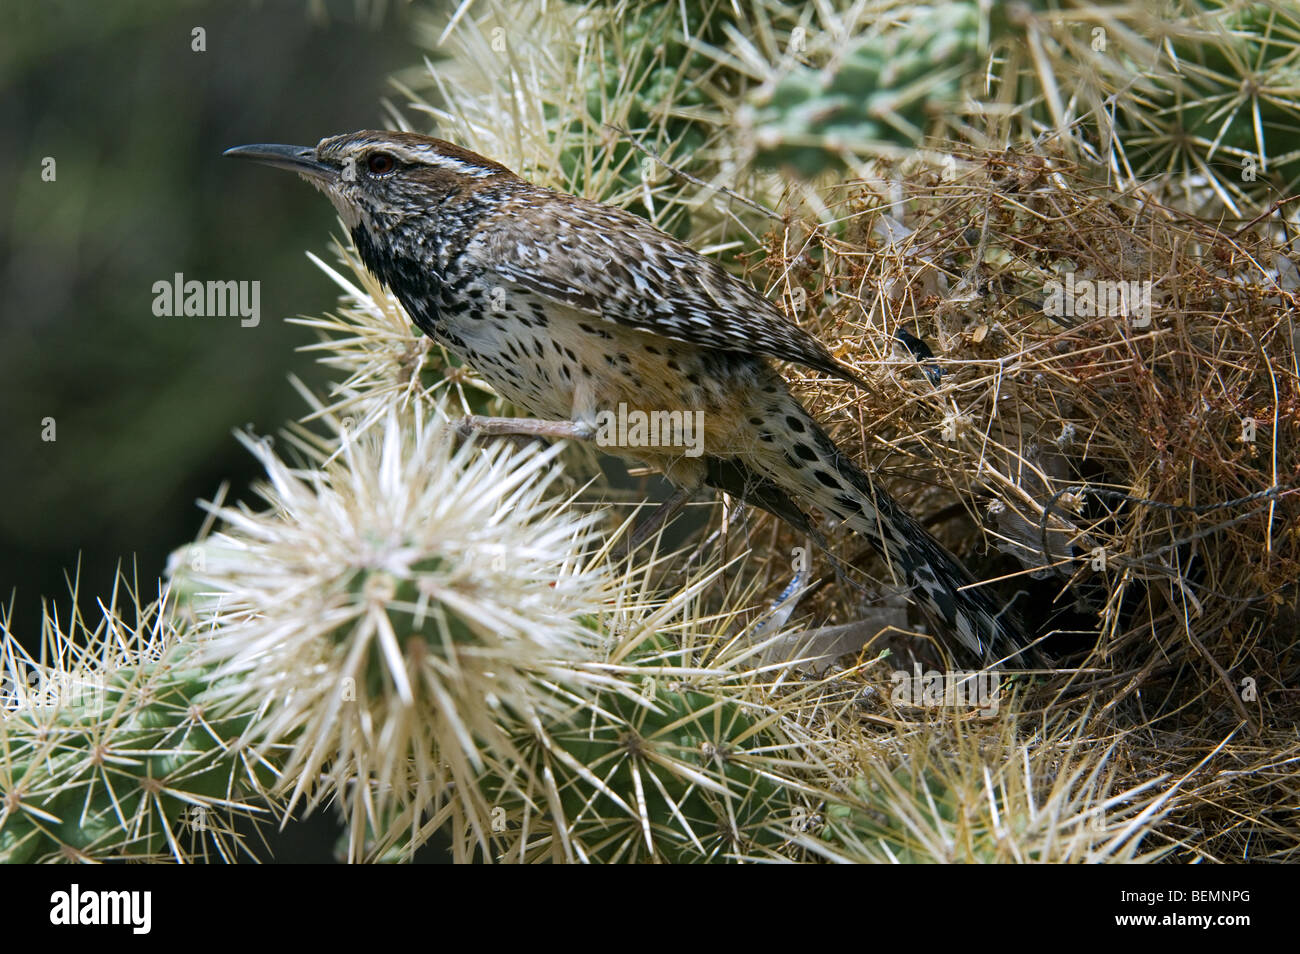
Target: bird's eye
(380,163)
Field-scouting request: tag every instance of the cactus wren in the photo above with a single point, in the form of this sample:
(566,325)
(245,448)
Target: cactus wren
(570,308)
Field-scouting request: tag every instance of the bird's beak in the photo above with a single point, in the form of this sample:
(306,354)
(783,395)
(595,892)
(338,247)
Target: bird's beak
(299,159)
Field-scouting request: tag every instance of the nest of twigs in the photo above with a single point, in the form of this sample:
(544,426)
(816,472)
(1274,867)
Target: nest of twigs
(1092,397)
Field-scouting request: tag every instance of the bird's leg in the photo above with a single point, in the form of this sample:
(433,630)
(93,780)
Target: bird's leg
(657,519)
(526,427)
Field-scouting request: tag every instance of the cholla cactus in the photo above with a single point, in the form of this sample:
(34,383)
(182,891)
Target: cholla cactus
(430,637)
(417,628)
(670,762)
(1205,96)
(397,610)
(881,89)
(972,792)
(1224,117)
(561,92)
(113,745)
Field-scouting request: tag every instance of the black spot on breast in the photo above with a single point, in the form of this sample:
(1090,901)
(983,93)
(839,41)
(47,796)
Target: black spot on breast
(826,478)
(416,285)
(805,452)
(796,425)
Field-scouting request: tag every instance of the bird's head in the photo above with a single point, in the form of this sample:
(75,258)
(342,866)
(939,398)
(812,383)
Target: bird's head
(379,179)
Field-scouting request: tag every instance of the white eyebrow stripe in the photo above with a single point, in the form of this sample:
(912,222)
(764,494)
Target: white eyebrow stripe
(432,157)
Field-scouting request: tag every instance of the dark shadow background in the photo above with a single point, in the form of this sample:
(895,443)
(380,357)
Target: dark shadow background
(136,122)
(144,406)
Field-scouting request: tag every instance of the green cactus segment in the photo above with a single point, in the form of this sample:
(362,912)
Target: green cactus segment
(874,827)
(650,771)
(885,89)
(132,765)
(642,77)
(1221,91)
(1236,96)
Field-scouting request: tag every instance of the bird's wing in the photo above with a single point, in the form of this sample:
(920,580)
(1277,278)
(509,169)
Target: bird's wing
(619,268)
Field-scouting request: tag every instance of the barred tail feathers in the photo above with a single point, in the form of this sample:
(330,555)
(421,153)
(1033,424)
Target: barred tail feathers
(804,462)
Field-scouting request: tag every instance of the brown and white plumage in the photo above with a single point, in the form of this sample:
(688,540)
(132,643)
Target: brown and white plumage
(570,308)
(615,266)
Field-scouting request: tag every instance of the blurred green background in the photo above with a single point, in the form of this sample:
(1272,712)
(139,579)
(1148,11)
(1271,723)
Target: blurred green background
(136,121)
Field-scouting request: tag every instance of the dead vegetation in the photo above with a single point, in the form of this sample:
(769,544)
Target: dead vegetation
(1129,478)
